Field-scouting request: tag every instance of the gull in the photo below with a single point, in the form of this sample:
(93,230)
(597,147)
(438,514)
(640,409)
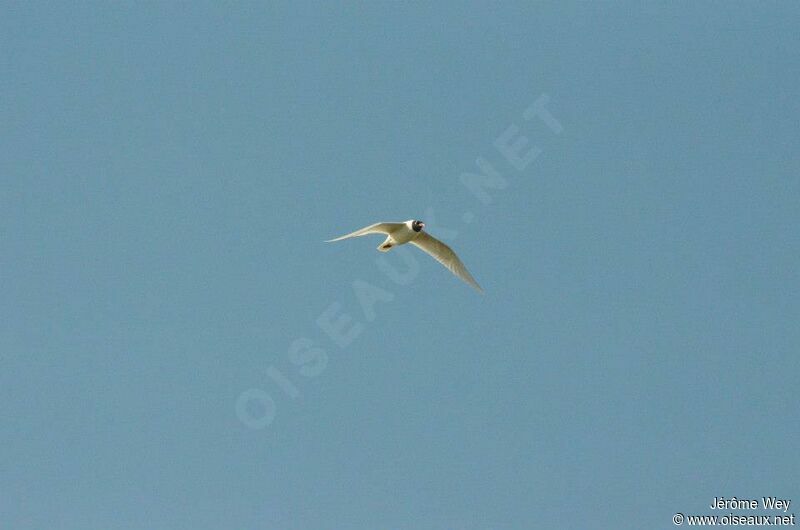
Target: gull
(412,232)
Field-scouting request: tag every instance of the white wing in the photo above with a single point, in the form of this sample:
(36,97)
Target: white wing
(377,228)
(445,255)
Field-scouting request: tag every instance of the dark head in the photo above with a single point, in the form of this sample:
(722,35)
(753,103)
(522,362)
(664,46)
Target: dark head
(417,226)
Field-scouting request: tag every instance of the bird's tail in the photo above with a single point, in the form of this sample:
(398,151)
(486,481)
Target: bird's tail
(386,245)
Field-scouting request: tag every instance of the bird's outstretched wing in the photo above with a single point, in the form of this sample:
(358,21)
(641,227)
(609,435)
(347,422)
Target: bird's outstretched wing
(377,228)
(445,255)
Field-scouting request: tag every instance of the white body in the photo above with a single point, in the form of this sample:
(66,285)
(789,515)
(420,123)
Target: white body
(401,235)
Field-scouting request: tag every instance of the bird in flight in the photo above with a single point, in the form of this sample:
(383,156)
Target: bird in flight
(412,232)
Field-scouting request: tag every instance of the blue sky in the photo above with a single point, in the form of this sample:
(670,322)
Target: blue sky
(171,170)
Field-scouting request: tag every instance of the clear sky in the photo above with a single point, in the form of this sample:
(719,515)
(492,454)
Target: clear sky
(172,350)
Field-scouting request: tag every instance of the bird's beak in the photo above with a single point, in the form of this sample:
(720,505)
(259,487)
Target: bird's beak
(422,225)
